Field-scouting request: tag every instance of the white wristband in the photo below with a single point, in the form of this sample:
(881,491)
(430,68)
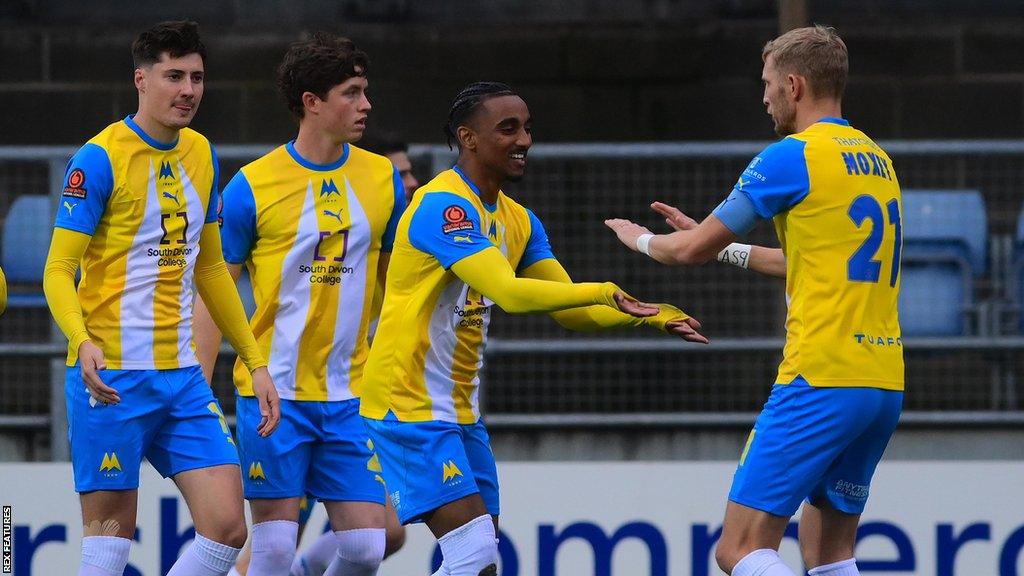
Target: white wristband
(643,243)
(735,254)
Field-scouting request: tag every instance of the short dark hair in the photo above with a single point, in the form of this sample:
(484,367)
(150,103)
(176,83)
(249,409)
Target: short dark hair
(466,104)
(316,65)
(384,144)
(176,37)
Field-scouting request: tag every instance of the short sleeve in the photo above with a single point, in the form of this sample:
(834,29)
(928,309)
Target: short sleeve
(237,220)
(537,247)
(776,179)
(88,184)
(388,240)
(213,208)
(447,227)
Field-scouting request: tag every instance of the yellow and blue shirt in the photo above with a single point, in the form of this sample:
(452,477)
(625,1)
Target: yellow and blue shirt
(836,203)
(144,203)
(311,236)
(425,361)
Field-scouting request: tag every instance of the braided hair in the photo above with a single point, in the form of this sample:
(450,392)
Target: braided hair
(467,102)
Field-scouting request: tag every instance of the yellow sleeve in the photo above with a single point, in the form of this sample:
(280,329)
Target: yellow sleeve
(3,292)
(220,295)
(489,273)
(600,317)
(66,250)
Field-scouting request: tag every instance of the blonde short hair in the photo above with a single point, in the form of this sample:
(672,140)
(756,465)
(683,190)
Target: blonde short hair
(817,53)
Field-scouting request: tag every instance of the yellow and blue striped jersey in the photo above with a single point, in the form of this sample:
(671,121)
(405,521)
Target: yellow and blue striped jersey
(426,357)
(311,236)
(144,203)
(836,203)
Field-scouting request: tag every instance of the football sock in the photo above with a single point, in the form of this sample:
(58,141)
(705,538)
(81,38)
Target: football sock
(104,555)
(273,547)
(841,568)
(205,558)
(470,549)
(763,562)
(359,552)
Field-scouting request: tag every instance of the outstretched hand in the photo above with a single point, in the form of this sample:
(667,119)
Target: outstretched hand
(674,217)
(634,307)
(687,329)
(627,232)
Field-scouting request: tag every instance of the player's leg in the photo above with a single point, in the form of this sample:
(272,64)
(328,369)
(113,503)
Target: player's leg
(473,529)
(750,542)
(107,443)
(827,538)
(828,526)
(797,438)
(274,477)
(214,498)
(108,521)
(345,476)
(394,532)
(194,447)
(430,478)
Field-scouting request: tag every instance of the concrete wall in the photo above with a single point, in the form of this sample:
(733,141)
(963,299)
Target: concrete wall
(661,80)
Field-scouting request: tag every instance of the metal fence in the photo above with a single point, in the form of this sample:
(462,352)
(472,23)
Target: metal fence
(536,370)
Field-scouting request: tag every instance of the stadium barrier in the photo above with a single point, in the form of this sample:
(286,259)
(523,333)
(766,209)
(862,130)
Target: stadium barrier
(540,375)
(641,519)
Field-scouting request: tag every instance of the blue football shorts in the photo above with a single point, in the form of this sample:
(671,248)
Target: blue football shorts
(170,417)
(820,444)
(319,449)
(429,464)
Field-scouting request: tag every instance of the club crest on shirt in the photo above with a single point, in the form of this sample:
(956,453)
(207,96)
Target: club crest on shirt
(76,184)
(455,220)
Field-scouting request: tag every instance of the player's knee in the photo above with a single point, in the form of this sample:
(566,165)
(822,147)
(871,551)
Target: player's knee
(394,539)
(231,534)
(363,547)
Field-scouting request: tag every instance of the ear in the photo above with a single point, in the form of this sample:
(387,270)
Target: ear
(140,79)
(467,137)
(796,86)
(311,102)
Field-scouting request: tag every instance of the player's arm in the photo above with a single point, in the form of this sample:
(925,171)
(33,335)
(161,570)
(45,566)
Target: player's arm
(205,332)
(219,293)
(447,227)
(775,181)
(768,261)
(88,185)
(489,273)
(599,317)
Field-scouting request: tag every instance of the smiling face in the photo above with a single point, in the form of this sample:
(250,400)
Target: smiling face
(170,89)
(499,135)
(777,97)
(343,112)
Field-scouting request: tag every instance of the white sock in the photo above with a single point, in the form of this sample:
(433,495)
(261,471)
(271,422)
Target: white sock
(316,558)
(841,568)
(104,555)
(233,572)
(205,558)
(763,562)
(469,549)
(273,547)
(360,552)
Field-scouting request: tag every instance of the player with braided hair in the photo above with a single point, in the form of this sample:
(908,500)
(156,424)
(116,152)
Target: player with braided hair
(461,247)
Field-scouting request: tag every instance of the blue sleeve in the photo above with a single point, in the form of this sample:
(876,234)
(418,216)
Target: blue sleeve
(537,247)
(738,213)
(214,206)
(388,240)
(776,179)
(447,227)
(237,220)
(88,184)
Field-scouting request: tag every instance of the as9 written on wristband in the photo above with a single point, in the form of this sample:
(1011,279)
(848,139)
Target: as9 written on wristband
(735,254)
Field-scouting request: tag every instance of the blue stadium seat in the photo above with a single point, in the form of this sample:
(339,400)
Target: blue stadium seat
(26,240)
(945,236)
